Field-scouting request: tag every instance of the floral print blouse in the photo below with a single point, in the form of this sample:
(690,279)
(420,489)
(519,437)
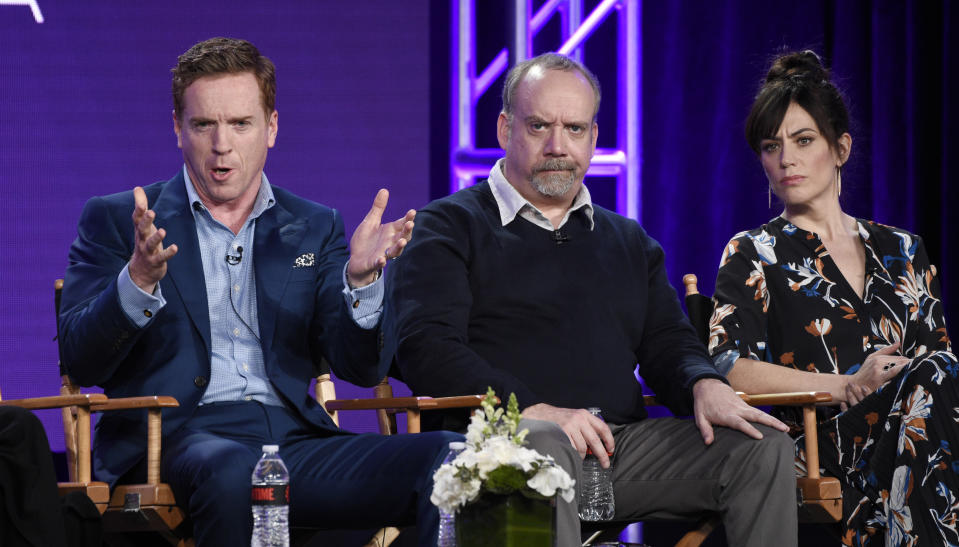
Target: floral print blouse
(782,275)
(780,298)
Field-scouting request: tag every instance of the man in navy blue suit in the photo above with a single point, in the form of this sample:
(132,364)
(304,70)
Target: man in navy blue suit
(226,294)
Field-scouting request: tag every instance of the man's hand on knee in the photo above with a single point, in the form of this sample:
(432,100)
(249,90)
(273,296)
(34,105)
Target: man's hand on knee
(583,429)
(715,403)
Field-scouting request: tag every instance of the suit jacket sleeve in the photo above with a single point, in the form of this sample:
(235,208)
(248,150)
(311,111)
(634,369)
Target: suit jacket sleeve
(95,334)
(351,350)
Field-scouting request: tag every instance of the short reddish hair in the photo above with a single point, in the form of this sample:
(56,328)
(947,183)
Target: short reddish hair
(223,56)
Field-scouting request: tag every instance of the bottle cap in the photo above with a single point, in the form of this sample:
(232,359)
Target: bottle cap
(271,448)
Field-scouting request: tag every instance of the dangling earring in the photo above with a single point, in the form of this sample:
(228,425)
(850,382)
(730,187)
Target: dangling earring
(838,180)
(769,193)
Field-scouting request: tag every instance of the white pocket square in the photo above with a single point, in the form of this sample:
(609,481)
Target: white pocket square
(305,260)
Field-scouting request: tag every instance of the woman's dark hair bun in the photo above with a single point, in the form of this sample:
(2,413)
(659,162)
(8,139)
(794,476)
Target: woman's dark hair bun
(797,77)
(798,65)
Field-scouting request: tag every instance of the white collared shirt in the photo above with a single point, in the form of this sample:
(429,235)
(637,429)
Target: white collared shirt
(512,204)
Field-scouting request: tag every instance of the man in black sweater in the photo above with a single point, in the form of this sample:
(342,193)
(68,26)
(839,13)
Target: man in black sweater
(522,284)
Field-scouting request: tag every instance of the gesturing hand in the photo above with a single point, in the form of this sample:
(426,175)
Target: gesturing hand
(148,263)
(373,243)
(715,403)
(583,429)
(877,369)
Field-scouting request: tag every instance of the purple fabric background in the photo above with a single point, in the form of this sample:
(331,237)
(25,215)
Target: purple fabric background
(363,96)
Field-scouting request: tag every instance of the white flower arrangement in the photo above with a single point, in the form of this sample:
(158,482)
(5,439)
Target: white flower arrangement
(496,461)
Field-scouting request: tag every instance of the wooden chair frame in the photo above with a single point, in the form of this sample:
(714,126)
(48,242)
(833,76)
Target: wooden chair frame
(819,497)
(130,507)
(77,408)
(387,406)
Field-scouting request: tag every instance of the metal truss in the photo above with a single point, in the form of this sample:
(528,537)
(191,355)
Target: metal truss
(623,162)
(34,7)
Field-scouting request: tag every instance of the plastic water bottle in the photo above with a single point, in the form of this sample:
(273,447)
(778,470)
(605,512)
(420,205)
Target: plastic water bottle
(447,534)
(596,492)
(270,498)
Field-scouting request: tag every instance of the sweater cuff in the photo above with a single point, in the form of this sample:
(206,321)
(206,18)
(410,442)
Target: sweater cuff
(703,375)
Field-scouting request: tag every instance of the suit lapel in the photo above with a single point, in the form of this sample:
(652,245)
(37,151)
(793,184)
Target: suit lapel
(185,270)
(277,239)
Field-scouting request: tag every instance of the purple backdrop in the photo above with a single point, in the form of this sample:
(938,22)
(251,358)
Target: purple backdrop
(86,109)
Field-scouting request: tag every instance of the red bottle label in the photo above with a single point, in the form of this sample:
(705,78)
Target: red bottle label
(278,494)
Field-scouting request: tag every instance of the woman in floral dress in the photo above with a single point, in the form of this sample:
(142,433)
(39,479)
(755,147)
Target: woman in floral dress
(817,300)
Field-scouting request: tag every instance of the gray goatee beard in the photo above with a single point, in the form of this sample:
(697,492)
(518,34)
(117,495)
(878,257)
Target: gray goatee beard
(553,184)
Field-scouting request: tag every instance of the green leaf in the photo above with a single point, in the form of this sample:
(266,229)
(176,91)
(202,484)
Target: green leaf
(505,479)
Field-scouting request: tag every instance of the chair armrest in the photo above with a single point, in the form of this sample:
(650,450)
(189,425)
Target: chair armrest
(461,401)
(387,403)
(153,405)
(411,405)
(404,403)
(57,401)
(808,401)
(127,403)
(82,403)
(798,398)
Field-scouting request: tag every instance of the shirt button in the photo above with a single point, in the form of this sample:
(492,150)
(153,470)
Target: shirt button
(249,398)
(148,313)
(356,304)
(246,367)
(236,288)
(236,332)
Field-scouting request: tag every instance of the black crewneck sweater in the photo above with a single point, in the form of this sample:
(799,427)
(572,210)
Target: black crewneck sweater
(560,317)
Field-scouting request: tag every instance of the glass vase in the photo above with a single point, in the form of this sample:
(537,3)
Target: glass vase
(506,521)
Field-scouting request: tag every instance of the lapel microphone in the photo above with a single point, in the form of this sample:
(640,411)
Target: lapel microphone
(560,237)
(233,260)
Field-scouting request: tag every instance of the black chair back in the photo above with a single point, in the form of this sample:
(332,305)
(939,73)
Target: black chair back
(699,307)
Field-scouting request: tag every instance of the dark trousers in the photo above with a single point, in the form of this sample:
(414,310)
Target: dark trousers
(29,504)
(339,481)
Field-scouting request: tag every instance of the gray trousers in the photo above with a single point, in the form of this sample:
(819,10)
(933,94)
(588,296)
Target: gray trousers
(662,470)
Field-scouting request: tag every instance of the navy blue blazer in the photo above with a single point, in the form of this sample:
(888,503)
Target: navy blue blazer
(301,313)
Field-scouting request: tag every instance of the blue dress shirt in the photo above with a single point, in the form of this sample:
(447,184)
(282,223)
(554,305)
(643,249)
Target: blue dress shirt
(237,367)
